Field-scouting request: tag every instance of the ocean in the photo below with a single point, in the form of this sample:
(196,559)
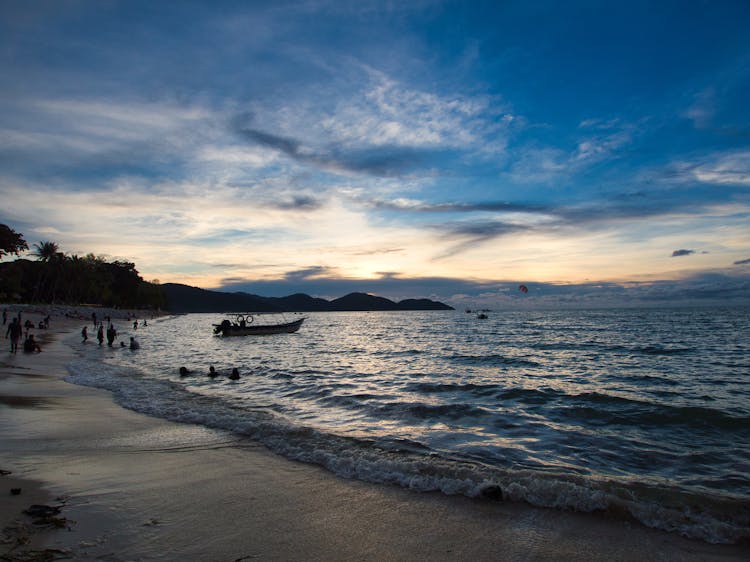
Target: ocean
(641,413)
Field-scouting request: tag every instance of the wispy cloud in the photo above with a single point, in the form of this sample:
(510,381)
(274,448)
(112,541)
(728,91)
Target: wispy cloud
(680,253)
(703,108)
(597,140)
(731,168)
(384,129)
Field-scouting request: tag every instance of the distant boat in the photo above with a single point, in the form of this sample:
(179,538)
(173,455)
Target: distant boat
(245,325)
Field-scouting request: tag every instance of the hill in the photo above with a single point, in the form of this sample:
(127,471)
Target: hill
(184,298)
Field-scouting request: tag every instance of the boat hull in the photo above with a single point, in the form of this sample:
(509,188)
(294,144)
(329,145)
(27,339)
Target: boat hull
(258,329)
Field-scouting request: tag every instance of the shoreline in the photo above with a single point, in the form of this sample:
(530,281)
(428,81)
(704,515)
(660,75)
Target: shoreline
(133,490)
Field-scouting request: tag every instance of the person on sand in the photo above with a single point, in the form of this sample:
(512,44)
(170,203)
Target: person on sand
(5,316)
(212,372)
(134,344)
(85,334)
(111,335)
(30,345)
(100,334)
(235,375)
(14,332)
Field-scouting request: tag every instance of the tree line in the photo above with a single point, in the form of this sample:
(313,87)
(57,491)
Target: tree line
(59,278)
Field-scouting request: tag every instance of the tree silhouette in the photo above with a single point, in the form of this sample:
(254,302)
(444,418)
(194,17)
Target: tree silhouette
(55,277)
(45,251)
(11,242)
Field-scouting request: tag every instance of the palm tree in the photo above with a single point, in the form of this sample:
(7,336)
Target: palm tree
(48,253)
(45,251)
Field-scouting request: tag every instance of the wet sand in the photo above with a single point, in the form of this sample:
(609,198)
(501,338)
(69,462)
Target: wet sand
(134,487)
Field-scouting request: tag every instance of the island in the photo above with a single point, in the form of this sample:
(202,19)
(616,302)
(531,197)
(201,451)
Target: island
(184,298)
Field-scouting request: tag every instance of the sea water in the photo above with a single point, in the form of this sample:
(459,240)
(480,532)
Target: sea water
(642,413)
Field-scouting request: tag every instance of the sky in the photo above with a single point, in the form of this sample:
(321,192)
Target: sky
(596,152)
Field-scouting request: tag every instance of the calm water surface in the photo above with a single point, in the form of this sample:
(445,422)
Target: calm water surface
(639,411)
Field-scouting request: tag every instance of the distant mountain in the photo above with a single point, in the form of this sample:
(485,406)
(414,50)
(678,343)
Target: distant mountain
(421,304)
(363,301)
(183,298)
(300,302)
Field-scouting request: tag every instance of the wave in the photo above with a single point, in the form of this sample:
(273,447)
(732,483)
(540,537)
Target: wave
(416,467)
(472,388)
(616,410)
(493,359)
(608,347)
(588,407)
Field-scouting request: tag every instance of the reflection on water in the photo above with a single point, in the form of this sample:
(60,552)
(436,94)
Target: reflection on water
(628,398)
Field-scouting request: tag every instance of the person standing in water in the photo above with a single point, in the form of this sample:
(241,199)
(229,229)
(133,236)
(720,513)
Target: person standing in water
(100,333)
(14,331)
(111,335)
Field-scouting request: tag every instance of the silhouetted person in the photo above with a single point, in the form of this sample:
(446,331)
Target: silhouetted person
(111,335)
(184,372)
(14,332)
(85,334)
(30,345)
(100,333)
(212,372)
(235,374)
(134,344)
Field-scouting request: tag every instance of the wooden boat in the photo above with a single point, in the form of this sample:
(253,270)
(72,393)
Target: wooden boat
(245,326)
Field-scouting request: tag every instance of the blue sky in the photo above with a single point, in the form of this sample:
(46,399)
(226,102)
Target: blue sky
(597,152)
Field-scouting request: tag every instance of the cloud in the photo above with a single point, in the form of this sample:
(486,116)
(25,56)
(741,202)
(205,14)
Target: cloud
(678,253)
(597,140)
(388,113)
(381,161)
(381,129)
(91,138)
(324,282)
(703,109)
(298,203)
(730,168)
(418,206)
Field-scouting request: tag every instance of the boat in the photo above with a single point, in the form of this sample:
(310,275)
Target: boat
(245,325)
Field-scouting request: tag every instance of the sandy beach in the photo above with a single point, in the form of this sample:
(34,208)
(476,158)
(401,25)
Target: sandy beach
(129,489)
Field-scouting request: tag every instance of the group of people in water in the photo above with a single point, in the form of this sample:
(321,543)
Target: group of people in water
(111,333)
(213,373)
(14,332)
